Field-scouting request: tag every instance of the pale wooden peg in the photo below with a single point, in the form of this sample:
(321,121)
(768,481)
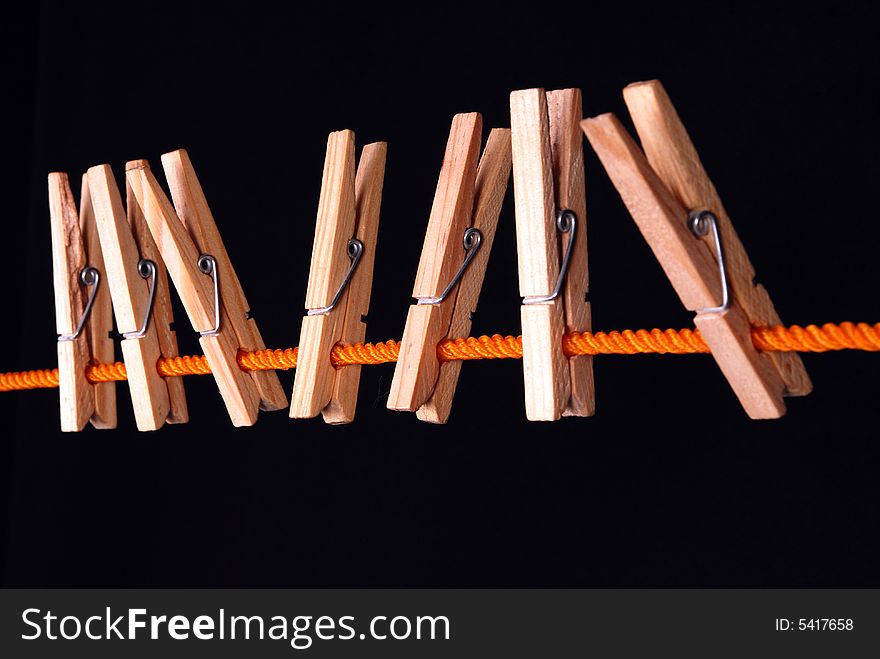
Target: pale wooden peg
(163,313)
(368,200)
(196,291)
(673,156)
(689,265)
(130,293)
(564,107)
(74,247)
(545,367)
(192,209)
(493,175)
(417,368)
(313,382)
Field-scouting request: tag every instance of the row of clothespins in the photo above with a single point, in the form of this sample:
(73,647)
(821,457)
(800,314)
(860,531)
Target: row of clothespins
(115,259)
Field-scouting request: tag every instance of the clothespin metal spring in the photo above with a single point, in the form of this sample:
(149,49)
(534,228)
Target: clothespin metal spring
(355,252)
(700,223)
(88,276)
(208,266)
(147,270)
(472,241)
(566,222)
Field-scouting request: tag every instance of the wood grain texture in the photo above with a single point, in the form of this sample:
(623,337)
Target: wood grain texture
(76,395)
(100,323)
(193,210)
(662,220)
(545,374)
(417,368)
(750,374)
(673,156)
(313,391)
(452,206)
(335,225)
(195,289)
(564,108)
(163,313)
(545,368)
(368,202)
(688,263)
(130,295)
(493,175)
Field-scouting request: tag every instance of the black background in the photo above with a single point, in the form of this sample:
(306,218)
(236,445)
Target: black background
(669,485)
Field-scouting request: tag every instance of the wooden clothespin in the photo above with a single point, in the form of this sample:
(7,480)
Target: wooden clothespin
(82,309)
(340,278)
(551,237)
(192,209)
(455,254)
(680,214)
(138,284)
(206,282)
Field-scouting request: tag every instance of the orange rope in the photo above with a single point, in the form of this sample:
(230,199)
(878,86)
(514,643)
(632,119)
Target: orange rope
(831,336)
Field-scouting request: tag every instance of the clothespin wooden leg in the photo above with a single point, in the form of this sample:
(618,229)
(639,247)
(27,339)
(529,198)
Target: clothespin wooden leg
(100,322)
(199,293)
(427,322)
(68,261)
(493,174)
(673,156)
(192,208)
(163,314)
(79,335)
(689,265)
(565,112)
(368,200)
(545,368)
(313,382)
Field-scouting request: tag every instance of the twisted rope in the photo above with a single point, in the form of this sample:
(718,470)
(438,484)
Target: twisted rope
(831,336)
